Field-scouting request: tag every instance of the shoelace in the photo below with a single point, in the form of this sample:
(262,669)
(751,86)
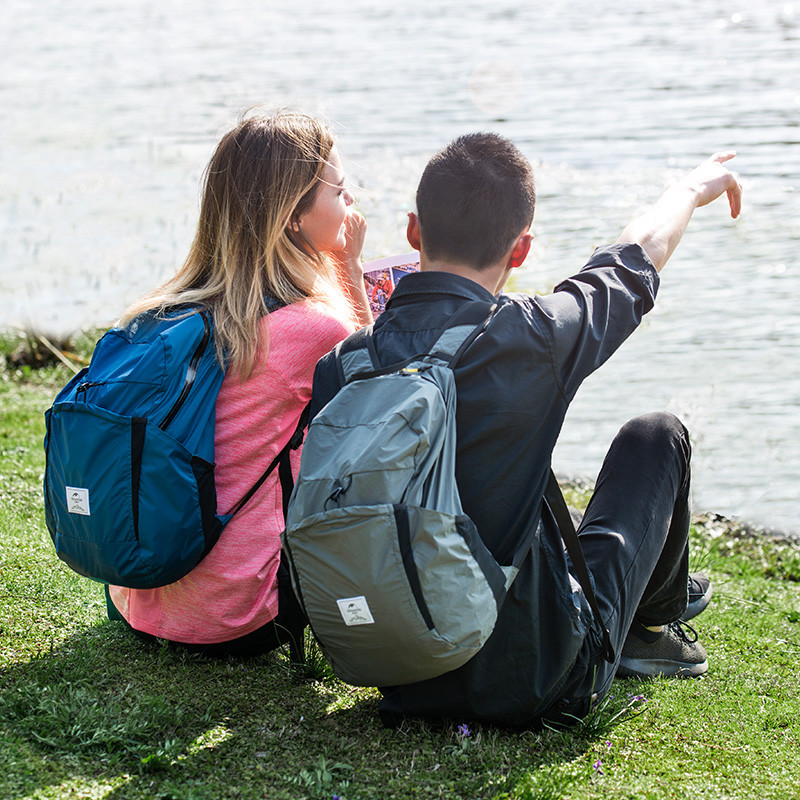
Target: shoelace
(680,627)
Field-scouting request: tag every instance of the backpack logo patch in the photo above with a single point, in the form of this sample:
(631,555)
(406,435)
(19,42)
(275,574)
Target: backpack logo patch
(355,611)
(78,501)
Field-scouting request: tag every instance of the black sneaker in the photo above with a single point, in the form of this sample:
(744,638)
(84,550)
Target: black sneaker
(700,592)
(671,652)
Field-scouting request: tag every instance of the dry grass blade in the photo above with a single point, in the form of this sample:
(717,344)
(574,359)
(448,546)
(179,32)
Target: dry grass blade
(58,353)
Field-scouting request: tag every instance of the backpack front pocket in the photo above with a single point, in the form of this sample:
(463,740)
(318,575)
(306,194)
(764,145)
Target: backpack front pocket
(111,519)
(394,594)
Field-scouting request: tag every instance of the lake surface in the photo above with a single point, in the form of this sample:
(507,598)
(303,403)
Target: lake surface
(111,111)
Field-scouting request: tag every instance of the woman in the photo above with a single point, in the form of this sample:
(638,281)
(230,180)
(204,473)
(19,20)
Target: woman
(276,224)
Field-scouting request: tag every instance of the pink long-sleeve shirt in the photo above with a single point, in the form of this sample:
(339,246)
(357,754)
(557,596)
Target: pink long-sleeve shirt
(234,590)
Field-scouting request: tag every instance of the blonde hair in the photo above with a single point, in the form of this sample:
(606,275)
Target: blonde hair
(263,175)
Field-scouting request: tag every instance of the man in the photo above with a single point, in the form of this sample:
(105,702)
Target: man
(544,659)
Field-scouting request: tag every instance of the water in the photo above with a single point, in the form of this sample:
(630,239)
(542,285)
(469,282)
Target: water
(110,112)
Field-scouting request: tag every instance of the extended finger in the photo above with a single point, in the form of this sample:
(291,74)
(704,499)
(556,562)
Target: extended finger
(735,198)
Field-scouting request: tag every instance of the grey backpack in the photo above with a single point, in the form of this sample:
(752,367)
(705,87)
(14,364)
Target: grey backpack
(396,582)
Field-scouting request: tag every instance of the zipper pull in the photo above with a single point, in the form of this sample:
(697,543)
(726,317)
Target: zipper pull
(82,387)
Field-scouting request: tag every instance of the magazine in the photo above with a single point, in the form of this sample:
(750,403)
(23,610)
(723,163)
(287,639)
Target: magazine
(382,275)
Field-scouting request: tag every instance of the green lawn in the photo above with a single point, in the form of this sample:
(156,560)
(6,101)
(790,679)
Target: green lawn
(86,710)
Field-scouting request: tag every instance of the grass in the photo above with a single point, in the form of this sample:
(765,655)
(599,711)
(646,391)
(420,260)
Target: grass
(88,711)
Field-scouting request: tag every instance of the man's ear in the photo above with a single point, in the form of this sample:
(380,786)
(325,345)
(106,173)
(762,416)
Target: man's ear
(412,231)
(521,249)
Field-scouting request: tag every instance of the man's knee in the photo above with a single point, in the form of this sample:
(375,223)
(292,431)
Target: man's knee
(658,429)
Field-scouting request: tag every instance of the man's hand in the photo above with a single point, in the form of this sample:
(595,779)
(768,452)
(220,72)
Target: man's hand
(659,230)
(712,178)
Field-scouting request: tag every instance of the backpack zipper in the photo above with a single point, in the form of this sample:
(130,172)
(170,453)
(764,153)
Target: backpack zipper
(86,385)
(191,374)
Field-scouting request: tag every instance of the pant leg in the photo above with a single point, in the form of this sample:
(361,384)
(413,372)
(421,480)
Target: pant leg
(635,532)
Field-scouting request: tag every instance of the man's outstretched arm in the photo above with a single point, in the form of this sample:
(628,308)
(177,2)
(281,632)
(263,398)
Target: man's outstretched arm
(660,228)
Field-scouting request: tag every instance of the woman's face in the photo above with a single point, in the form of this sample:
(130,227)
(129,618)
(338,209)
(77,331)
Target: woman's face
(323,223)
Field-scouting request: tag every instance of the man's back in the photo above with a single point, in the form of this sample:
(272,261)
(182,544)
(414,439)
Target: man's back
(514,386)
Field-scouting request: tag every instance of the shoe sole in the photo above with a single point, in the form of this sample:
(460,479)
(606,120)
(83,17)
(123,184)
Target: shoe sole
(697,606)
(655,668)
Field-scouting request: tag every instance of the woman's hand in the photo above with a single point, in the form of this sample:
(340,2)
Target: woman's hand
(349,259)
(355,233)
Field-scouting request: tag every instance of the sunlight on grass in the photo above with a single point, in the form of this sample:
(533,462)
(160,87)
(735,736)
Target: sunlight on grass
(97,789)
(210,739)
(349,697)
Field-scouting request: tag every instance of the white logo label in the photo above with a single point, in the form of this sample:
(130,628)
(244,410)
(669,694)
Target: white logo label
(78,501)
(355,611)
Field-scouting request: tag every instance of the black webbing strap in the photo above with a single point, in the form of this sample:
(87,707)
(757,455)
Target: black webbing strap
(293,617)
(557,504)
(283,461)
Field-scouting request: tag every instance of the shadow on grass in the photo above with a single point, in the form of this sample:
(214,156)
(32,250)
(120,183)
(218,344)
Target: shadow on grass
(105,705)
(105,713)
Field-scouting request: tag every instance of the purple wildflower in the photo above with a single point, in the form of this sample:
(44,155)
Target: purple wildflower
(464,731)
(598,767)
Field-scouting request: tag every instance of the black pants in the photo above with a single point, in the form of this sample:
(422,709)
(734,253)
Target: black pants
(285,629)
(634,536)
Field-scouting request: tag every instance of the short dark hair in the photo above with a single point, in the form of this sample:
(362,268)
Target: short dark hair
(474,198)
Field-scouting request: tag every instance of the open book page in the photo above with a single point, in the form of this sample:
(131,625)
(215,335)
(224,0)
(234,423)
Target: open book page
(382,275)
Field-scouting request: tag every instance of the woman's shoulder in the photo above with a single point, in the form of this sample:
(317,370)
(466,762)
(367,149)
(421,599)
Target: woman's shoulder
(306,328)
(309,313)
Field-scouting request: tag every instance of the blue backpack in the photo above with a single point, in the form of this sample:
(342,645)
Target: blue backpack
(129,489)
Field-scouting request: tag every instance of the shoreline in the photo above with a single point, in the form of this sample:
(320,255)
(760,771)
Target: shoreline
(734,526)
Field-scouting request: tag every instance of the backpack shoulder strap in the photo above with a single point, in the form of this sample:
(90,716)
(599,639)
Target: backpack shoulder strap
(461,330)
(357,354)
(357,357)
(282,460)
(272,303)
(555,500)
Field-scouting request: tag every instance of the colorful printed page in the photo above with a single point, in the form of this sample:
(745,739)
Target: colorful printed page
(382,275)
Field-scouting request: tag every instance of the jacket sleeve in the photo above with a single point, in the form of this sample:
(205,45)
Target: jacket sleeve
(588,316)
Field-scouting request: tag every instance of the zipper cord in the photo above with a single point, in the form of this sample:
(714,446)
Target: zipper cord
(191,374)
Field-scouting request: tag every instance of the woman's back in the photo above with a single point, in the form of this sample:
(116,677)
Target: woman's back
(234,590)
